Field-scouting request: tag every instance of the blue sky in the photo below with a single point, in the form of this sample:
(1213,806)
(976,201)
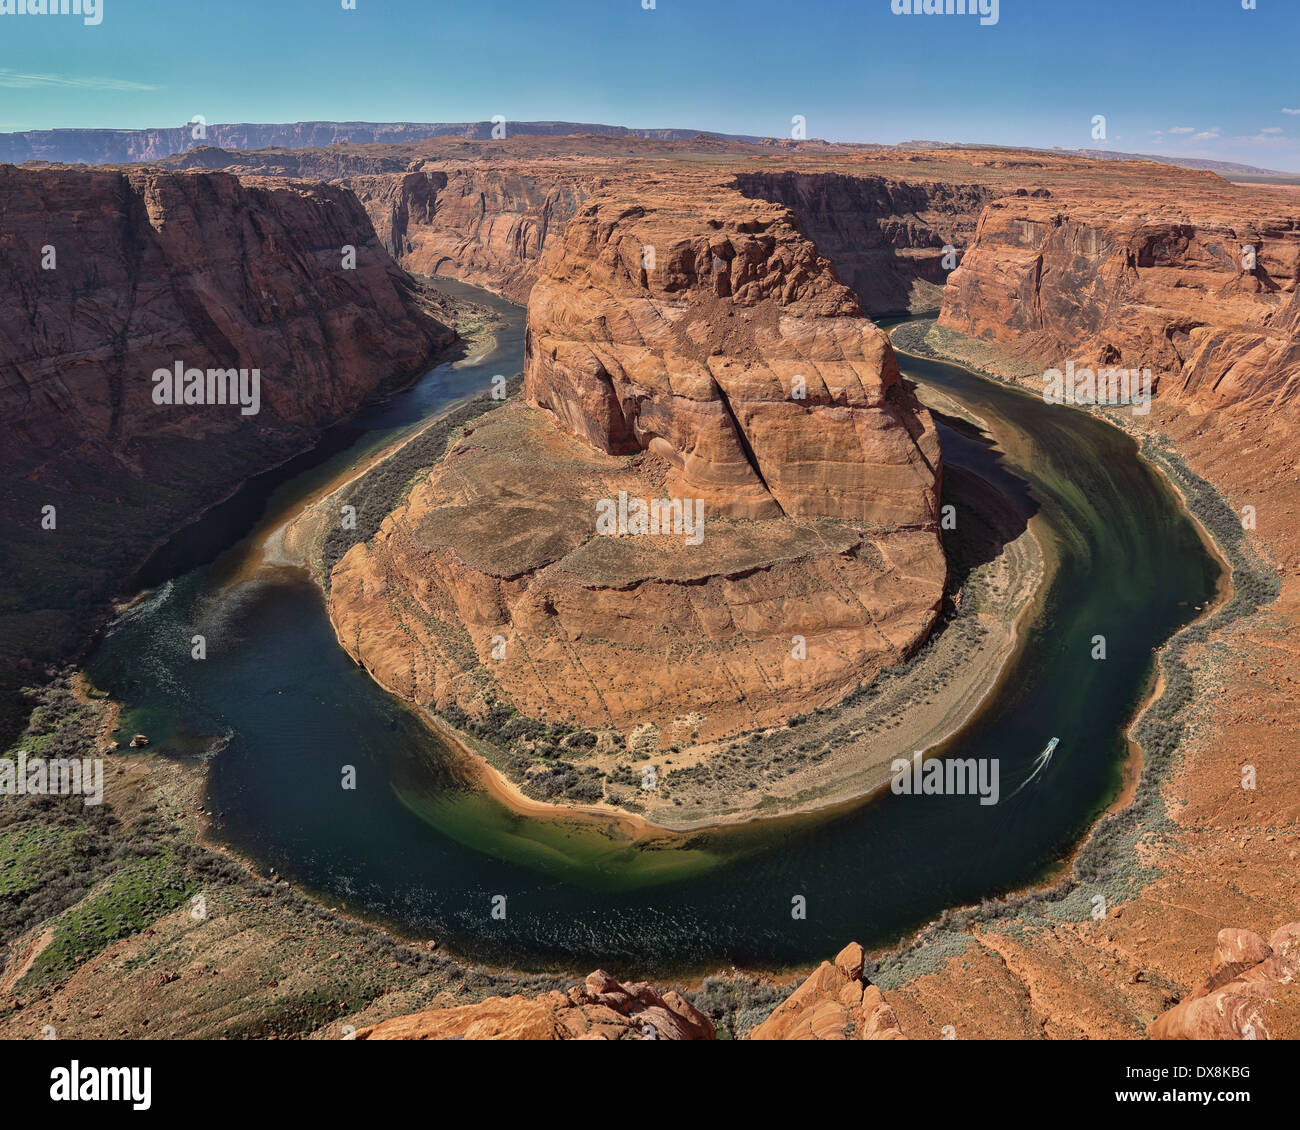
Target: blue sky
(1188,77)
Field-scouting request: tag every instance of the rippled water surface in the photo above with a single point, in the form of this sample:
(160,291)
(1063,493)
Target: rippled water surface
(414,845)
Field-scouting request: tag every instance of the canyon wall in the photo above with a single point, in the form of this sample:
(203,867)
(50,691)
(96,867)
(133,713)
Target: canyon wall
(483,212)
(483,221)
(885,236)
(110,275)
(1168,286)
(119,146)
(484,225)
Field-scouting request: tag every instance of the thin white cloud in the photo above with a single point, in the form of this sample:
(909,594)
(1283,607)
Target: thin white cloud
(1183,129)
(1285,110)
(1207,135)
(1271,138)
(23,80)
(1272,129)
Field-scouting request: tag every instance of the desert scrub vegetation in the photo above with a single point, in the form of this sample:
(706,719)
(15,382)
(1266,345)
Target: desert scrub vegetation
(90,876)
(137,893)
(382,489)
(737,1004)
(529,751)
(80,869)
(53,849)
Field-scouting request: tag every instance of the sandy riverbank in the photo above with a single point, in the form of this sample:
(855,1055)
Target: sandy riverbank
(292,536)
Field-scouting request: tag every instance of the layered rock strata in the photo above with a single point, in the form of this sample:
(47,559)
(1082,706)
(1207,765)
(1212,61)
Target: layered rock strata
(706,330)
(892,241)
(114,274)
(1252,993)
(1199,287)
(735,378)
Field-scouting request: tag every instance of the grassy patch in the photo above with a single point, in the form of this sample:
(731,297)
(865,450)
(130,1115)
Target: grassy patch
(136,895)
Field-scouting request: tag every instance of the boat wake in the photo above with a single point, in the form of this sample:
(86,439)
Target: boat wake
(1040,763)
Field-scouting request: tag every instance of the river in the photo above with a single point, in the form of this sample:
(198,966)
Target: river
(277,710)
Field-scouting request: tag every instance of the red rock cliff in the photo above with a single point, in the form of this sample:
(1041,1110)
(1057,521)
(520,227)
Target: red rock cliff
(707,330)
(147,269)
(1165,285)
(737,370)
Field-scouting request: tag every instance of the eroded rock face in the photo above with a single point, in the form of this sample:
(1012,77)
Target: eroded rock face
(600,1009)
(113,274)
(1165,283)
(835,1003)
(734,374)
(484,225)
(153,268)
(703,327)
(889,239)
(493,568)
(1253,992)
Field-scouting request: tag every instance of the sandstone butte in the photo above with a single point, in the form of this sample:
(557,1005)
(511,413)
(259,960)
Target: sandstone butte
(728,366)
(1062,258)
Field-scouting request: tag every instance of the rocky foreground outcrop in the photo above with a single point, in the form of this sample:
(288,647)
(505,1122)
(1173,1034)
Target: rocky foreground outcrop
(1252,993)
(113,274)
(735,375)
(836,1003)
(600,1009)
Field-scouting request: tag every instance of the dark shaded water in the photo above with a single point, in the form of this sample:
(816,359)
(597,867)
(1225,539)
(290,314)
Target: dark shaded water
(413,845)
